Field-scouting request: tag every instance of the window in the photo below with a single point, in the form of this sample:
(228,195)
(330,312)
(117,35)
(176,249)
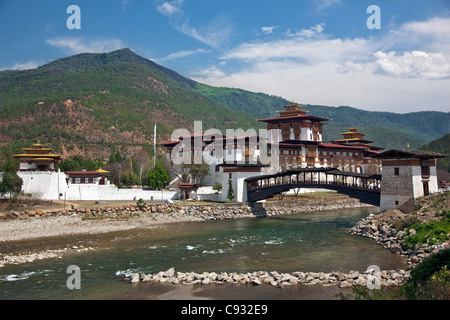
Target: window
(396,203)
(397,171)
(425,171)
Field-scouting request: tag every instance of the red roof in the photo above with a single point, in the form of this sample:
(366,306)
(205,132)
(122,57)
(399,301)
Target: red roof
(334,145)
(76,173)
(187,185)
(306,117)
(224,138)
(175,142)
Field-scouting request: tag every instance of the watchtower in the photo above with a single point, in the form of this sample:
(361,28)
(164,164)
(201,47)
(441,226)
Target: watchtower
(407,175)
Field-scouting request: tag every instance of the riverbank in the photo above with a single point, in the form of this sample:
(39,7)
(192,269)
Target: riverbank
(392,228)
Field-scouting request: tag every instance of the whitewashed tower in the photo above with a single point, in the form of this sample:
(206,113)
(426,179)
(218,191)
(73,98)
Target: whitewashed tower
(407,175)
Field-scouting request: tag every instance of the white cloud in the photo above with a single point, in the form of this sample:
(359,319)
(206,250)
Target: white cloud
(311,67)
(415,64)
(181,54)
(212,73)
(124,5)
(314,31)
(268,30)
(325,4)
(302,50)
(23,65)
(171,8)
(75,45)
(214,34)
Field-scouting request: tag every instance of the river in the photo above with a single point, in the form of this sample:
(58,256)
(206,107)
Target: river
(309,242)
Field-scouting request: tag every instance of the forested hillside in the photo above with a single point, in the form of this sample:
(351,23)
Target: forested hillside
(442,146)
(91,104)
(114,101)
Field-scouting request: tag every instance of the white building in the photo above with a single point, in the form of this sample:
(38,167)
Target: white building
(407,175)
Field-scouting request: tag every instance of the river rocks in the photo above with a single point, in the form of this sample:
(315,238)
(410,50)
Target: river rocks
(134,278)
(33,256)
(273,278)
(379,227)
(345,284)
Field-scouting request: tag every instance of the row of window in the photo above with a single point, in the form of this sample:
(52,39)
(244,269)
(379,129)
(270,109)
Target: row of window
(294,152)
(324,153)
(425,171)
(84,180)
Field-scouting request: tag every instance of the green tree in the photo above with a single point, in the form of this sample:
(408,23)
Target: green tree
(10,181)
(157,177)
(129,178)
(199,172)
(230,194)
(115,157)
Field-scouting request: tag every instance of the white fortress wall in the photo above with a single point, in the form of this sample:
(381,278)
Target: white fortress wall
(45,185)
(49,186)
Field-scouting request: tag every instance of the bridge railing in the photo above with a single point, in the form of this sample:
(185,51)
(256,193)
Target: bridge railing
(337,179)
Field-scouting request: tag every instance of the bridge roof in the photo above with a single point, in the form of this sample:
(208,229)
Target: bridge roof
(326,170)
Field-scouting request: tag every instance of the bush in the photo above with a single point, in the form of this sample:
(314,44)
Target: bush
(217,186)
(431,232)
(430,279)
(140,203)
(435,262)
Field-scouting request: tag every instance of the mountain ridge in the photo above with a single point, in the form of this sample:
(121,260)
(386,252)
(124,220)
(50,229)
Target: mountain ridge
(118,96)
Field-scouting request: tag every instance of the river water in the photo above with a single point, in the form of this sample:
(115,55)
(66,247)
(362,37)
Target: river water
(309,242)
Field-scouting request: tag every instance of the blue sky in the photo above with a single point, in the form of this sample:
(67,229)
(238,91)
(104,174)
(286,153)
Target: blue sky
(309,51)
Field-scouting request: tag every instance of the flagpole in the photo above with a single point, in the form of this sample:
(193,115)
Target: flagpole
(154,146)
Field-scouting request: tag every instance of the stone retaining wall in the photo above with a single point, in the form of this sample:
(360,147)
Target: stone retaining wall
(196,212)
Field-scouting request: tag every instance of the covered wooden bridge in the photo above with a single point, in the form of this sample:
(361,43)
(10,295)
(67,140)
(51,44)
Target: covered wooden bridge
(365,187)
